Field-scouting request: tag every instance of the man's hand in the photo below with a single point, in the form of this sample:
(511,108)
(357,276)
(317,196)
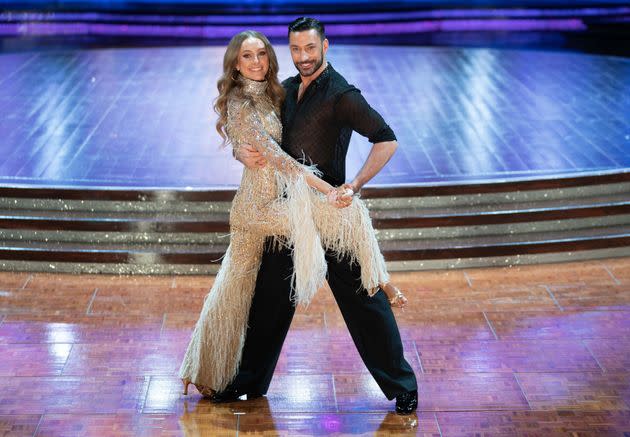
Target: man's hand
(347,193)
(344,195)
(249,156)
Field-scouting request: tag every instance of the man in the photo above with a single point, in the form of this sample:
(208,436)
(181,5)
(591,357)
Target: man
(318,116)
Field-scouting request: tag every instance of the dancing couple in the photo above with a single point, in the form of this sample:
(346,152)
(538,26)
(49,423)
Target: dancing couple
(294,222)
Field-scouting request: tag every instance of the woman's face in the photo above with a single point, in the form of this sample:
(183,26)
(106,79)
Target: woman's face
(253,59)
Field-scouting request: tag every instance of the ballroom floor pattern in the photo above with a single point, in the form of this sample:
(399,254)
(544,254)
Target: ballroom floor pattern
(529,350)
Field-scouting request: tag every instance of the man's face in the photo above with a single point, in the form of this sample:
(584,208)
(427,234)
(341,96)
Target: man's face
(308,51)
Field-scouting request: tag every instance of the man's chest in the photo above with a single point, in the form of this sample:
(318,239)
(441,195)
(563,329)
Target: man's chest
(308,117)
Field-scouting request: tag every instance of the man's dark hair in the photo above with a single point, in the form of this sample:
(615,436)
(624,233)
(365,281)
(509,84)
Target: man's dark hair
(306,23)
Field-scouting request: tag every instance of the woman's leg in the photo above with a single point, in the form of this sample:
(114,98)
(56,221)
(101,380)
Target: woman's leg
(212,357)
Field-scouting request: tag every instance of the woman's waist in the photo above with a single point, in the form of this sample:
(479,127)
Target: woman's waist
(259,180)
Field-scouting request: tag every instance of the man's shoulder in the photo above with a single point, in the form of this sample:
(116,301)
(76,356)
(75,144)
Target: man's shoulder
(290,82)
(338,83)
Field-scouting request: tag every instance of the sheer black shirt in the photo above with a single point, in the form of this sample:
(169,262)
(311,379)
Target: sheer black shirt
(317,129)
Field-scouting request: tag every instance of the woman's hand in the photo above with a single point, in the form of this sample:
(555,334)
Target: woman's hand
(332,196)
(340,197)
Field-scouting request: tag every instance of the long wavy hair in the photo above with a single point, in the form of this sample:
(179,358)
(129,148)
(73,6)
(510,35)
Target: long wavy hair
(229,82)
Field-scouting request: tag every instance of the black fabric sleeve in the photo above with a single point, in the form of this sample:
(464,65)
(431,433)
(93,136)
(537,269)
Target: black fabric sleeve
(353,111)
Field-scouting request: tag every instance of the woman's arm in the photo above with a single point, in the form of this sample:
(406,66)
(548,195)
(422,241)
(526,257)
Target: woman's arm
(318,183)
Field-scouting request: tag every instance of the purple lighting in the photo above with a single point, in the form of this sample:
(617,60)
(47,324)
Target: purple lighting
(360,24)
(331,423)
(328,18)
(226,31)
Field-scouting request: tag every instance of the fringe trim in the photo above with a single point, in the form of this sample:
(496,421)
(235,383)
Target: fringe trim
(215,350)
(348,233)
(309,258)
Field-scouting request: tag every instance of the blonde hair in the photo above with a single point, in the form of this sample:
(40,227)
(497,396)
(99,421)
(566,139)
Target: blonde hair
(228,83)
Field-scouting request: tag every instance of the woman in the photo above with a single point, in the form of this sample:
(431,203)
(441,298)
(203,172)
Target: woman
(284,200)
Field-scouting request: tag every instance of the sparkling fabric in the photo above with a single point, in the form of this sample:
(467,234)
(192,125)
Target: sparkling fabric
(317,129)
(253,120)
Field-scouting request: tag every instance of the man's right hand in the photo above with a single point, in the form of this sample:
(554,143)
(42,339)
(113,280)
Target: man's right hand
(346,191)
(249,156)
(340,197)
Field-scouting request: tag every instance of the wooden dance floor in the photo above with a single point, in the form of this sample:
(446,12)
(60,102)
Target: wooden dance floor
(142,117)
(535,350)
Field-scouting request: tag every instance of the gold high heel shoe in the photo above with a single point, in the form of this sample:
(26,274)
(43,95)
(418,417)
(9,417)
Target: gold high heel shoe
(186,383)
(202,389)
(398,300)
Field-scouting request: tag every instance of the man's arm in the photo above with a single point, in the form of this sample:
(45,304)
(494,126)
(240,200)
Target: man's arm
(354,111)
(378,157)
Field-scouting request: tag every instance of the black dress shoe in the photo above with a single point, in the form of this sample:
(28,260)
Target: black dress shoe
(225,396)
(407,403)
(254,395)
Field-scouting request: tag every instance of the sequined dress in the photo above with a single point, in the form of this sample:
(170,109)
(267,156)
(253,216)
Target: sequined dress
(272,201)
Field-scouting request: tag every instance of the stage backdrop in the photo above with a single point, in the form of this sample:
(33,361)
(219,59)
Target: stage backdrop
(292,6)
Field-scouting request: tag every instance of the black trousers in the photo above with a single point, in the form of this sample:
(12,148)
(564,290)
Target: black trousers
(369,319)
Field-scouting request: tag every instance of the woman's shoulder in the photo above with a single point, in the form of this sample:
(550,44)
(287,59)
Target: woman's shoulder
(236,100)
(235,96)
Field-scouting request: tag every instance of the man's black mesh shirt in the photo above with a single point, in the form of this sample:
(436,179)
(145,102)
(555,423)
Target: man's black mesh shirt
(317,129)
